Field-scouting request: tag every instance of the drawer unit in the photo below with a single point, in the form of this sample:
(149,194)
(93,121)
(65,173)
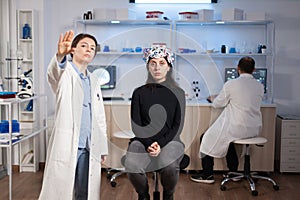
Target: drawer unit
(288,143)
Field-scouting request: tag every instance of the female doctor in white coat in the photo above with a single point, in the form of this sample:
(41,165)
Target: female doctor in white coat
(241,118)
(78,143)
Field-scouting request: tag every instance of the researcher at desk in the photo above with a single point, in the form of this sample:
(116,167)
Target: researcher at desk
(241,118)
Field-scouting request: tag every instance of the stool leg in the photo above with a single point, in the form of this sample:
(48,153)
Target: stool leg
(275,186)
(252,186)
(156,193)
(114,176)
(247,162)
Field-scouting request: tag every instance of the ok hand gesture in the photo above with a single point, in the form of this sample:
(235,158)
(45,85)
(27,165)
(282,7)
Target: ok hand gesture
(64,45)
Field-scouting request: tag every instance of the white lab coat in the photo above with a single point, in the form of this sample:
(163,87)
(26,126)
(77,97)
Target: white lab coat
(241,117)
(59,174)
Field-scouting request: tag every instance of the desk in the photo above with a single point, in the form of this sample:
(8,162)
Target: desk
(38,126)
(199,116)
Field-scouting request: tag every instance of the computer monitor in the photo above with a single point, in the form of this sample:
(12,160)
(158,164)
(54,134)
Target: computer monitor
(105,72)
(260,74)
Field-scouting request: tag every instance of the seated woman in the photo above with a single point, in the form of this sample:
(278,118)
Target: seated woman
(157,117)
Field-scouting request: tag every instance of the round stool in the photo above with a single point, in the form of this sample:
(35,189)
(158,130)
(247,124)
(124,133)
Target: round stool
(126,134)
(247,173)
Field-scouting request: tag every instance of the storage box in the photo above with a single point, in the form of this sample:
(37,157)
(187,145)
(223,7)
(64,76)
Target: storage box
(125,13)
(188,15)
(256,16)
(156,14)
(104,14)
(205,14)
(232,14)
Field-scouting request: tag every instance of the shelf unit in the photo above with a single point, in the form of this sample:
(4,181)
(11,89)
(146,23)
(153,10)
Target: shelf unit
(8,140)
(206,68)
(27,45)
(125,34)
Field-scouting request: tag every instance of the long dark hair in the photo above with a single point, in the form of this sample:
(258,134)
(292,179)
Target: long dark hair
(81,36)
(169,77)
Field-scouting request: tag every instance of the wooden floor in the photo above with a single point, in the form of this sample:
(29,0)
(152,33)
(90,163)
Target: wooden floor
(26,186)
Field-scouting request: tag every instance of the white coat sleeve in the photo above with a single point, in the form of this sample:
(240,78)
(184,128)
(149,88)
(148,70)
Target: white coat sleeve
(222,99)
(54,73)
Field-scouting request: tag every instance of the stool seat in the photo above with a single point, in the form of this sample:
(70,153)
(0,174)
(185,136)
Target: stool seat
(125,134)
(252,140)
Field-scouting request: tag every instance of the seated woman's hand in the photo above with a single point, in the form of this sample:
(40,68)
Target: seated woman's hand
(154,149)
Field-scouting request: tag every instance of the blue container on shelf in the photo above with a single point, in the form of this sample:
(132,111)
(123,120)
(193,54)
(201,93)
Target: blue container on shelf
(26,31)
(4,126)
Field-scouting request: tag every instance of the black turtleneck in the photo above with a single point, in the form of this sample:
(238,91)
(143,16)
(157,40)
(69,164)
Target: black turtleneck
(160,97)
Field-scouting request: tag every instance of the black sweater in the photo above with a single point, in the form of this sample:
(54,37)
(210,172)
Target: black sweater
(166,120)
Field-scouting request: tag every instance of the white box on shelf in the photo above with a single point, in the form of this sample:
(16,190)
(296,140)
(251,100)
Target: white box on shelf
(104,14)
(125,13)
(232,14)
(256,16)
(205,14)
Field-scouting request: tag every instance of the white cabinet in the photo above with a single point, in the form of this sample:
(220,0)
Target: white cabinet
(27,87)
(288,143)
(199,57)
(27,71)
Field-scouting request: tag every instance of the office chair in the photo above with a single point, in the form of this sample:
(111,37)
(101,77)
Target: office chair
(246,173)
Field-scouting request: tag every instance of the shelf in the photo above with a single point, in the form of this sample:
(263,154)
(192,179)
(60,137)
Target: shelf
(220,22)
(27,112)
(27,60)
(25,40)
(125,22)
(168,22)
(222,54)
(120,53)
(25,134)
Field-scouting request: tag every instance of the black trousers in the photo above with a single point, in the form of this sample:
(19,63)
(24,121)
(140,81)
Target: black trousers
(231,160)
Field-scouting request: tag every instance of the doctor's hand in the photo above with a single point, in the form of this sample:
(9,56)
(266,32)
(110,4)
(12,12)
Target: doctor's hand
(212,97)
(154,149)
(64,45)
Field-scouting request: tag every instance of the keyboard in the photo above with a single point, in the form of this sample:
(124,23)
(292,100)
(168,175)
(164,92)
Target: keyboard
(113,99)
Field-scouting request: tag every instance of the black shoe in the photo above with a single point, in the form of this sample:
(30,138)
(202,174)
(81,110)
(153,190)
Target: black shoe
(144,197)
(202,178)
(167,196)
(232,176)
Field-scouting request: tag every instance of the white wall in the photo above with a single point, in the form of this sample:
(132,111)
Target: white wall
(57,16)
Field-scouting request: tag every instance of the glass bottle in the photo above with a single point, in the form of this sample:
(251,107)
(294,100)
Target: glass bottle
(26,31)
